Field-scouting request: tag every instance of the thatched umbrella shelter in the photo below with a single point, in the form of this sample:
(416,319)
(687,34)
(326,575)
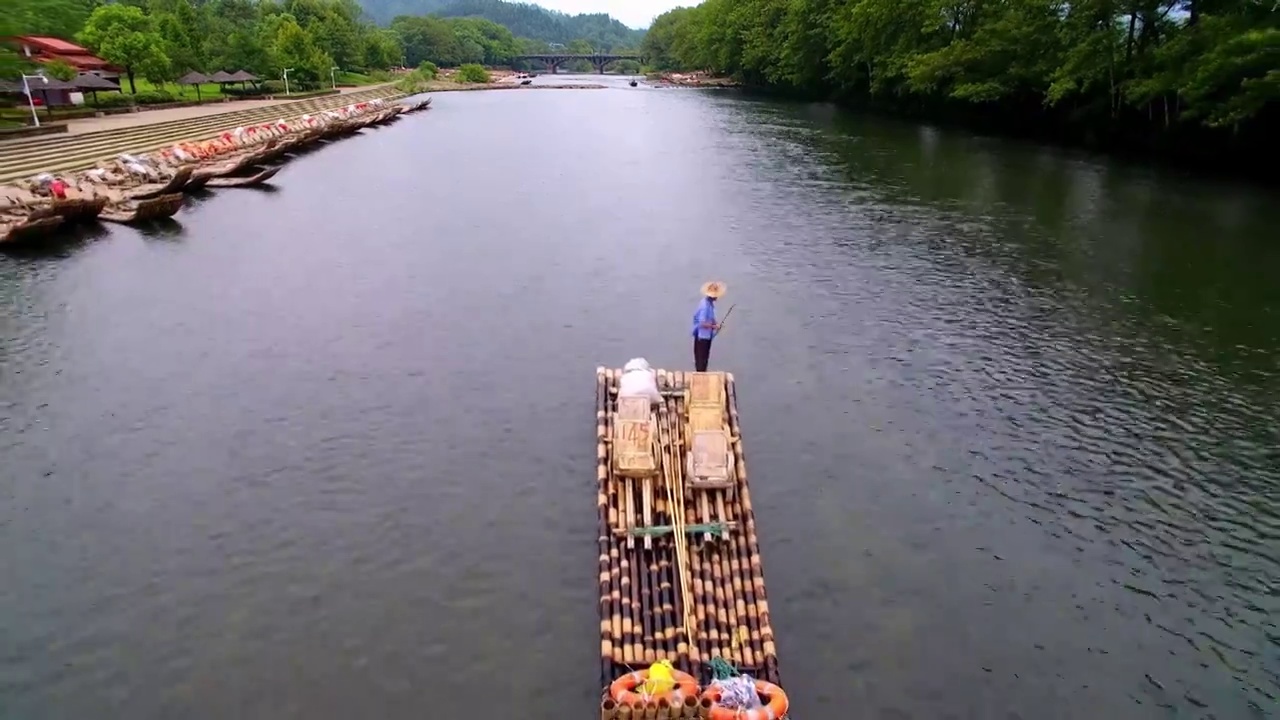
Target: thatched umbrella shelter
(242,77)
(194,78)
(93,83)
(62,88)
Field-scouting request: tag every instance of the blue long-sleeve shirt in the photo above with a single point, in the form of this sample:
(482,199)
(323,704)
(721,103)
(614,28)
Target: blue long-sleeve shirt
(706,312)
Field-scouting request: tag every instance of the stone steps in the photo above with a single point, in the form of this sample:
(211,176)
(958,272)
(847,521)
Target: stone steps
(60,153)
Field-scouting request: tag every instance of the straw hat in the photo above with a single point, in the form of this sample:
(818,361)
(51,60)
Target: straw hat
(714,289)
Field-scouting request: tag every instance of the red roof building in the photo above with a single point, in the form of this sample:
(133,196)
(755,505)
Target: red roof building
(47,49)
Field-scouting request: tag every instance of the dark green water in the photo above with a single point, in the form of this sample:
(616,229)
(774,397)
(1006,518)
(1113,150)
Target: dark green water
(328,451)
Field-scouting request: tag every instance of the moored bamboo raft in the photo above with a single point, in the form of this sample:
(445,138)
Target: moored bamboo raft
(680,574)
(146,210)
(19,230)
(257,178)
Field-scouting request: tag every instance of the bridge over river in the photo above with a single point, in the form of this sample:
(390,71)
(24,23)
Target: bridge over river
(598,60)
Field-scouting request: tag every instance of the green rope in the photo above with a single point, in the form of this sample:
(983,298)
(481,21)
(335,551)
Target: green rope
(722,669)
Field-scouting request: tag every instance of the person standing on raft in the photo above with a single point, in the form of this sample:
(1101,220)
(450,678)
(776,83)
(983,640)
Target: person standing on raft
(705,325)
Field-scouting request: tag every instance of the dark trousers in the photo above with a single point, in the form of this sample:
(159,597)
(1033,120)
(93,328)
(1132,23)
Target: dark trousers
(701,353)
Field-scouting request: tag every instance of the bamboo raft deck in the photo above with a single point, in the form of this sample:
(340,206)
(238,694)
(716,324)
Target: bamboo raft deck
(680,571)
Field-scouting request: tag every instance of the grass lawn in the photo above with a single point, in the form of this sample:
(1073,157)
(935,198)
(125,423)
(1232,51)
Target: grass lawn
(182,92)
(351,78)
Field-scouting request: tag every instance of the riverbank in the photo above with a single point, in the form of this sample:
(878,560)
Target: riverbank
(693,79)
(500,80)
(436,86)
(60,153)
(1248,157)
(141,188)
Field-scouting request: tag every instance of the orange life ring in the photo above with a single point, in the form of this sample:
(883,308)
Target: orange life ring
(775,709)
(623,690)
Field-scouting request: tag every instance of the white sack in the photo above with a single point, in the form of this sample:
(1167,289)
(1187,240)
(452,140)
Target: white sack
(639,380)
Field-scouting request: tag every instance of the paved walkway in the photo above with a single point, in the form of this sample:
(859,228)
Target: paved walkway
(150,117)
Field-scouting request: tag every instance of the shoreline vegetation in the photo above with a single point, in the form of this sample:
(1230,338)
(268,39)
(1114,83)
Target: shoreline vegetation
(1190,82)
(1194,83)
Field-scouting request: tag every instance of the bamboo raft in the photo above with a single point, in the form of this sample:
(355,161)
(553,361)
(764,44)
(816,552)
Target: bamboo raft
(680,571)
(257,178)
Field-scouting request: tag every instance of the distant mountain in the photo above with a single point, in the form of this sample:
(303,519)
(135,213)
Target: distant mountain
(382,11)
(522,19)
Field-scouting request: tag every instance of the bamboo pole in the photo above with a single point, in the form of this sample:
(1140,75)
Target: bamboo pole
(606,602)
(731,600)
(628,624)
(616,621)
(646,613)
(637,610)
(673,475)
(756,566)
(602,500)
(608,709)
(722,601)
(646,505)
(660,627)
(744,632)
(677,644)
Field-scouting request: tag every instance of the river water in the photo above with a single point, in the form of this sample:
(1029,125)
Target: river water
(328,451)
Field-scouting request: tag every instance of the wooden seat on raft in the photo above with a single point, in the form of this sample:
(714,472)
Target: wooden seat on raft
(711,459)
(633,435)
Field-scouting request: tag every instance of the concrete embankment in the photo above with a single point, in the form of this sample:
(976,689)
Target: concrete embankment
(61,153)
(141,187)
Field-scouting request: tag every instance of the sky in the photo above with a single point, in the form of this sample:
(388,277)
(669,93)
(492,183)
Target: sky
(633,13)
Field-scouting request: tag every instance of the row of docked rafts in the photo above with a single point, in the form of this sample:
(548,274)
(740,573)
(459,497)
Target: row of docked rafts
(151,186)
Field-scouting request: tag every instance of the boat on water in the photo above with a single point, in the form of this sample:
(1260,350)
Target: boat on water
(633,83)
(685,629)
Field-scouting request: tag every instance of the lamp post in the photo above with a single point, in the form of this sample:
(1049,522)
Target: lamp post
(333,78)
(286,80)
(26,87)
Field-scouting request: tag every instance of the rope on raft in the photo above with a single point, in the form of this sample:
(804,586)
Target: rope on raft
(737,691)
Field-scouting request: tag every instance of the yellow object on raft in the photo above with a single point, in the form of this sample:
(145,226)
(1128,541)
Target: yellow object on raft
(660,679)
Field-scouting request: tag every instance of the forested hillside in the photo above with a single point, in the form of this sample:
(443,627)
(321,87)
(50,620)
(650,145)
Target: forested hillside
(538,23)
(1168,75)
(384,11)
(160,40)
(523,19)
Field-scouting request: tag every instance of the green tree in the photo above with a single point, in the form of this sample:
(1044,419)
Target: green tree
(472,73)
(428,38)
(1158,72)
(579,46)
(60,70)
(293,49)
(127,37)
(184,27)
(382,50)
